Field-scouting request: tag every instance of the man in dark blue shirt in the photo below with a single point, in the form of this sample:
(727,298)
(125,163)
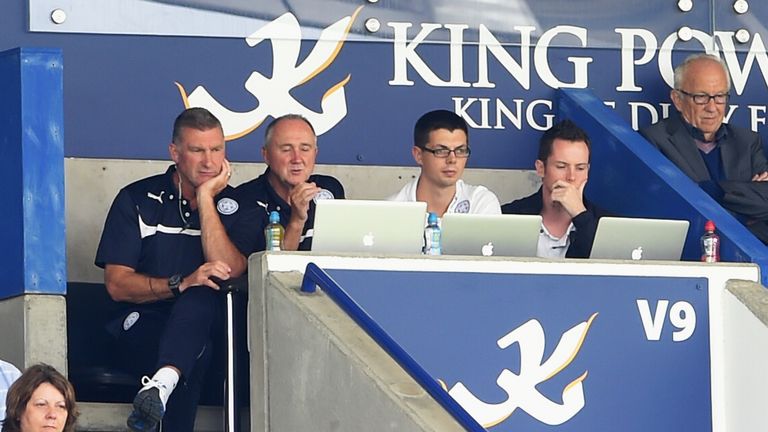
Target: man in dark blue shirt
(287,186)
(165,237)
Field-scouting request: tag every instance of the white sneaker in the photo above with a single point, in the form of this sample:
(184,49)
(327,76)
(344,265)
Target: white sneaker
(148,406)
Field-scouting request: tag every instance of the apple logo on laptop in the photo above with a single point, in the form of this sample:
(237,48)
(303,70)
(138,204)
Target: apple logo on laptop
(368,239)
(637,253)
(487,249)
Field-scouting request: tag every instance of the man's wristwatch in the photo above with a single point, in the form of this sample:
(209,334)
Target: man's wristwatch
(173,284)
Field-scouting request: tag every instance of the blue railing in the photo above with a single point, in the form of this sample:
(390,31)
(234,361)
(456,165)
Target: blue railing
(314,276)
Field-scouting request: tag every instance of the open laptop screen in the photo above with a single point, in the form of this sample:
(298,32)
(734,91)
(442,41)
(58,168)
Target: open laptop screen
(497,235)
(636,238)
(387,227)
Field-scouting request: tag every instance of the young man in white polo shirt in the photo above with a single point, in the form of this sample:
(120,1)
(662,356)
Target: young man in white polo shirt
(441,148)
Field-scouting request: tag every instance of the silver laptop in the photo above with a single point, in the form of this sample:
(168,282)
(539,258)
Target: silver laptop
(639,239)
(387,227)
(497,235)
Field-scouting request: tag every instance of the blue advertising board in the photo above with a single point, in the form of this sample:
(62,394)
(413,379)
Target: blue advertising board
(364,85)
(552,352)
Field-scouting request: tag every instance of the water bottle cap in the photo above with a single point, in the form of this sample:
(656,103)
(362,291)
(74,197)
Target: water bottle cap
(274,217)
(432,218)
(709,226)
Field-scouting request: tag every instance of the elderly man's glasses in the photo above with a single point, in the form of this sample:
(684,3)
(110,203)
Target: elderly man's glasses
(703,98)
(443,152)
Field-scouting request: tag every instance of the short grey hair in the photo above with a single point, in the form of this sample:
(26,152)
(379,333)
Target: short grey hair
(194,118)
(681,69)
(271,126)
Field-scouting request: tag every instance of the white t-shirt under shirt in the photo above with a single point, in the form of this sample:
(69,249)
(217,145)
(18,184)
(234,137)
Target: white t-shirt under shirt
(552,247)
(468,198)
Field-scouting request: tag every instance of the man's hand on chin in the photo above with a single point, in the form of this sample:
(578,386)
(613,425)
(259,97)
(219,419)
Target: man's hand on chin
(214,185)
(569,197)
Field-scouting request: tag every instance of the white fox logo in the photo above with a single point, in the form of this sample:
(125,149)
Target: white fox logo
(521,388)
(273,93)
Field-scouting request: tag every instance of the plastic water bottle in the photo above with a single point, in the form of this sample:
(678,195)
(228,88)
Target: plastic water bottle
(432,236)
(274,232)
(710,243)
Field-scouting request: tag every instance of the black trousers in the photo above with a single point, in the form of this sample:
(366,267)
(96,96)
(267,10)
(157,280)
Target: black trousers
(180,333)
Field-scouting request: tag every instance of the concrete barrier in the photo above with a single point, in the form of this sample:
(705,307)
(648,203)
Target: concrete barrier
(313,368)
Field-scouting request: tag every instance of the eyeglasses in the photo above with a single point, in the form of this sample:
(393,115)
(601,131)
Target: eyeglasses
(703,98)
(442,152)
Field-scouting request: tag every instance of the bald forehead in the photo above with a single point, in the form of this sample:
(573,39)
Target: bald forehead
(706,64)
(705,69)
(293,131)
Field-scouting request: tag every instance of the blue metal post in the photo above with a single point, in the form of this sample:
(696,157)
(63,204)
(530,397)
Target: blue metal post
(32,147)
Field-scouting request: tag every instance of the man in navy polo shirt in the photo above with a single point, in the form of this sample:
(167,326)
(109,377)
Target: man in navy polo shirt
(165,237)
(288,185)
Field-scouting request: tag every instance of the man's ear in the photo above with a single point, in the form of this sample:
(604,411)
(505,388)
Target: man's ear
(417,153)
(540,168)
(173,150)
(677,99)
(264,155)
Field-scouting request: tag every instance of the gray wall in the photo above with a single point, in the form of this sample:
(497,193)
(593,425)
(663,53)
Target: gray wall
(33,329)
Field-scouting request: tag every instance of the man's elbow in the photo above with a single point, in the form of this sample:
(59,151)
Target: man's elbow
(115,292)
(240,266)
